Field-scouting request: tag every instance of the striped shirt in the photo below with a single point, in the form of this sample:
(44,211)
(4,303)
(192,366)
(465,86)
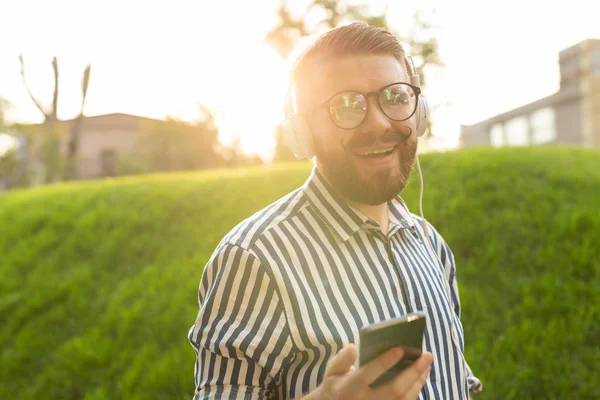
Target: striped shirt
(292,285)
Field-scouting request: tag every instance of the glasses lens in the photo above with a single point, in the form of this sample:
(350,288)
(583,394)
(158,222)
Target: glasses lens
(348,109)
(398,101)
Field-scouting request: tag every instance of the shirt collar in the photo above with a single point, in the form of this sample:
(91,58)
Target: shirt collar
(400,216)
(343,219)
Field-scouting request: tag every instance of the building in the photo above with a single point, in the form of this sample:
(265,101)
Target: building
(569,117)
(103,139)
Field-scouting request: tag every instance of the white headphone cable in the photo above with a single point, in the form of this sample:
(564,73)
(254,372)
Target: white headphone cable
(426,228)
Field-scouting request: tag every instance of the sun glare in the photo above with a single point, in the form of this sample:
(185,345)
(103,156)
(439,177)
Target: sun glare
(248,91)
(160,73)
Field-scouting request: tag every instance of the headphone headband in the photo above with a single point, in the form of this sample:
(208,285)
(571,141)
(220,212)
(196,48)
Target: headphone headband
(289,99)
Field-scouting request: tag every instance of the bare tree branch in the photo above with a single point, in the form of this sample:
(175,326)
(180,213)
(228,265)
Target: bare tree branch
(84,86)
(37,104)
(54,112)
(75,132)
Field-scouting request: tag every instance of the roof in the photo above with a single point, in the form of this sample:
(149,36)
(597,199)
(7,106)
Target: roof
(106,121)
(587,43)
(123,121)
(559,97)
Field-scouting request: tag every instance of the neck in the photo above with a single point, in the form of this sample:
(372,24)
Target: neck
(378,213)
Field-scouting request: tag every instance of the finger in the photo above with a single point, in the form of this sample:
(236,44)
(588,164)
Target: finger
(413,392)
(359,382)
(369,373)
(412,374)
(342,362)
(402,384)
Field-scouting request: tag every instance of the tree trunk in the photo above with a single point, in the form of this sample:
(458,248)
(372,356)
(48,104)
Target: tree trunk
(75,131)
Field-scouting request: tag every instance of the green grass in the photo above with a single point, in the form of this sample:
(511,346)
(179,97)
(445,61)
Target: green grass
(99,279)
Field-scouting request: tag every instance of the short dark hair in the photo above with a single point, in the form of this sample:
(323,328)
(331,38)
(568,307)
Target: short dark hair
(357,38)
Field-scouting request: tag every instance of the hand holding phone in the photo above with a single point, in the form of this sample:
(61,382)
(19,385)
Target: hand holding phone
(405,332)
(343,381)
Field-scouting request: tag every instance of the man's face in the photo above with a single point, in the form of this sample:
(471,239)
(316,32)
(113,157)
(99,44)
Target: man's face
(345,157)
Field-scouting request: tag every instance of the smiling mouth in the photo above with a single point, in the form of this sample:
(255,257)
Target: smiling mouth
(376,153)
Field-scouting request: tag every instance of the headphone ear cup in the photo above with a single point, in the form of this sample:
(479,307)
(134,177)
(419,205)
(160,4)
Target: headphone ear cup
(289,136)
(422,116)
(297,136)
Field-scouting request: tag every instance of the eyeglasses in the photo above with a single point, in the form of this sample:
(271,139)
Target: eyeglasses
(398,102)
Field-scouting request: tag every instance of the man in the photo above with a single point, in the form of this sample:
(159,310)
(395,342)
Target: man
(286,292)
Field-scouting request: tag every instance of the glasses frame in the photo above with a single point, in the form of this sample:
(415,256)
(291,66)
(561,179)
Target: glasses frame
(326,104)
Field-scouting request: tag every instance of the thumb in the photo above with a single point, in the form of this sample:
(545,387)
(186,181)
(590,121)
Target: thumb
(342,362)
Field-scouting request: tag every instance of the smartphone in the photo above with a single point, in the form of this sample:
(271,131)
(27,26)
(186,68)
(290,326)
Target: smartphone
(405,332)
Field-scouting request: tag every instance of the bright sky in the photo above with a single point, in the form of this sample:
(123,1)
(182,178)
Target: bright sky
(163,59)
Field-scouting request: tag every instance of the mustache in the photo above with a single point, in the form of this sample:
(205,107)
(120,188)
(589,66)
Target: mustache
(360,141)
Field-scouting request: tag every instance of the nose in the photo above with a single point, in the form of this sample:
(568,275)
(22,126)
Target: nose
(375,121)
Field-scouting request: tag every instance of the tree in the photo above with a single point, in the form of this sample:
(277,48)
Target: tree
(234,155)
(75,131)
(52,136)
(4,106)
(12,167)
(282,37)
(174,145)
(50,117)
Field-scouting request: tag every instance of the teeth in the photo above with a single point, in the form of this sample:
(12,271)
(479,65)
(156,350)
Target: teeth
(375,152)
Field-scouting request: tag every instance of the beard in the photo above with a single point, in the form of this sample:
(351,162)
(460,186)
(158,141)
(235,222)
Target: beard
(380,186)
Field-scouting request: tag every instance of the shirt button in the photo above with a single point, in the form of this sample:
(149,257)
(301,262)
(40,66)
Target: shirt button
(454,334)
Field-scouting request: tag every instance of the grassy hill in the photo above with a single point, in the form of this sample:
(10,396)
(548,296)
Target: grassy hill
(99,279)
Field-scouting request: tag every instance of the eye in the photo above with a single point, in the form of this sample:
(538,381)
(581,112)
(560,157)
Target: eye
(395,96)
(348,109)
(349,100)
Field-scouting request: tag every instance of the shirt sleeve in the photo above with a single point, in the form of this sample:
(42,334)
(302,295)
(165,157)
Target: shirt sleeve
(447,259)
(240,337)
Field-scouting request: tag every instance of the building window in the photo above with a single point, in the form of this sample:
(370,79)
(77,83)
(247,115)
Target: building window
(497,135)
(543,125)
(108,162)
(517,132)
